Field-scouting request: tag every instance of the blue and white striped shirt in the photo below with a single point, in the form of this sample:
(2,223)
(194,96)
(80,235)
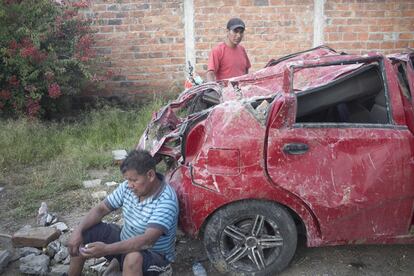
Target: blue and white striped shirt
(158,211)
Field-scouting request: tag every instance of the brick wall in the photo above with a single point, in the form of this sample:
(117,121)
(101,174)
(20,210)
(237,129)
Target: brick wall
(272,27)
(144,42)
(354,26)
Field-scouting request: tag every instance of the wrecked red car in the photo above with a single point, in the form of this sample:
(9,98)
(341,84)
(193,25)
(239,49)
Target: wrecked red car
(317,143)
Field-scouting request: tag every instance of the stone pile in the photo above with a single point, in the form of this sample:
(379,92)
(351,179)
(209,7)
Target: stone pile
(42,250)
(40,253)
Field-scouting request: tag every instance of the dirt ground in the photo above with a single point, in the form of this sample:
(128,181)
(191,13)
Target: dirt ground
(338,260)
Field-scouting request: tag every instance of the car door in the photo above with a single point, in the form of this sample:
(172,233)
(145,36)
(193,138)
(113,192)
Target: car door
(403,67)
(357,178)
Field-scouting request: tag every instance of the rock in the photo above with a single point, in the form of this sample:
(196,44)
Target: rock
(65,237)
(93,262)
(113,269)
(180,233)
(1,189)
(53,248)
(5,242)
(42,214)
(35,237)
(119,154)
(92,183)
(34,264)
(5,258)
(51,219)
(100,267)
(61,226)
(25,251)
(58,270)
(111,184)
(99,194)
(62,254)
(67,260)
(97,173)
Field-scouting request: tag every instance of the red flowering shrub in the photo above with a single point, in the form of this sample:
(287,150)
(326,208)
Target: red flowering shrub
(46,51)
(54,90)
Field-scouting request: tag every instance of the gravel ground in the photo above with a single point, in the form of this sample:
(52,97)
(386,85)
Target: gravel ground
(335,260)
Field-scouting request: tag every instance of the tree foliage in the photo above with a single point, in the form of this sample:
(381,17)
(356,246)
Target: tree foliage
(46,51)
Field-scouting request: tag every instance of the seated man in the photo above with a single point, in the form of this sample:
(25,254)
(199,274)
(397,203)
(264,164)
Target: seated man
(145,243)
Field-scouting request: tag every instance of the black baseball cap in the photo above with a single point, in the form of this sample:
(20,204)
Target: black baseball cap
(235,23)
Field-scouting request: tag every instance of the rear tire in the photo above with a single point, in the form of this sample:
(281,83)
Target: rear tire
(251,238)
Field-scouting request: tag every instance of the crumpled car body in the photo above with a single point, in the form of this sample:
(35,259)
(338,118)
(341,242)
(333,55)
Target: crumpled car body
(327,136)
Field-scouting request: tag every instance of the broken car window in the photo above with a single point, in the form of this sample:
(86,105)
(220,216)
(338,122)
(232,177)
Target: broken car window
(402,79)
(356,97)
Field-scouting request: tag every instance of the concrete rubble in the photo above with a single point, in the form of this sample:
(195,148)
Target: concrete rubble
(51,260)
(25,251)
(52,248)
(5,257)
(61,255)
(43,251)
(111,184)
(32,264)
(35,237)
(61,226)
(99,194)
(92,183)
(58,270)
(119,155)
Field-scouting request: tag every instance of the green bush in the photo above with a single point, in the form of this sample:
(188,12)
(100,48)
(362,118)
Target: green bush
(46,51)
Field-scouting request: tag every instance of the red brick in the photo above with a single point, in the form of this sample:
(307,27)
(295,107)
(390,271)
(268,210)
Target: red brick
(121,28)
(408,13)
(106,29)
(387,45)
(375,36)
(402,44)
(406,36)
(363,36)
(373,45)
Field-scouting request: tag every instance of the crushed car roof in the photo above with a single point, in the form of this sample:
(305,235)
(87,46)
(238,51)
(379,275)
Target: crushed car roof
(163,133)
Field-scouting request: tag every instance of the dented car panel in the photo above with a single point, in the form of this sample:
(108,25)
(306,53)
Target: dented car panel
(328,136)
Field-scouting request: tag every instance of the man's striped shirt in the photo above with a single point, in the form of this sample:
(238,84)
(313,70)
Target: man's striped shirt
(158,211)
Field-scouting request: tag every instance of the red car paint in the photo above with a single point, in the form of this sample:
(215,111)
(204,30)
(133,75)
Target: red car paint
(354,182)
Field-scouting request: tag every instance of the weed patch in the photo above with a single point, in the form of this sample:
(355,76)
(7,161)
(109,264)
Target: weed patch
(44,161)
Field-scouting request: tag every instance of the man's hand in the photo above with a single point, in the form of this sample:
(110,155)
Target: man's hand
(93,217)
(94,250)
(74,242)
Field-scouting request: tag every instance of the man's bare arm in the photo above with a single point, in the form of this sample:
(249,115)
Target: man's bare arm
(93,217)
(142,242)
(211,76)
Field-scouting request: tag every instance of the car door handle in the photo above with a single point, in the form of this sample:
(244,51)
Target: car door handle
(295,148)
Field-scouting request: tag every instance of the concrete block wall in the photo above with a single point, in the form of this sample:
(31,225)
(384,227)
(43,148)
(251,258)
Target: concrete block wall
(146,42)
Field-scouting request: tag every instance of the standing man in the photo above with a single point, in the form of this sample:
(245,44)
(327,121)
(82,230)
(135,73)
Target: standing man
(229,59)
(145,243)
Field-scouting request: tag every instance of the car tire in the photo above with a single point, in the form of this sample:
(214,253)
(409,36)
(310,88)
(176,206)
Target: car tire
(251,238)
